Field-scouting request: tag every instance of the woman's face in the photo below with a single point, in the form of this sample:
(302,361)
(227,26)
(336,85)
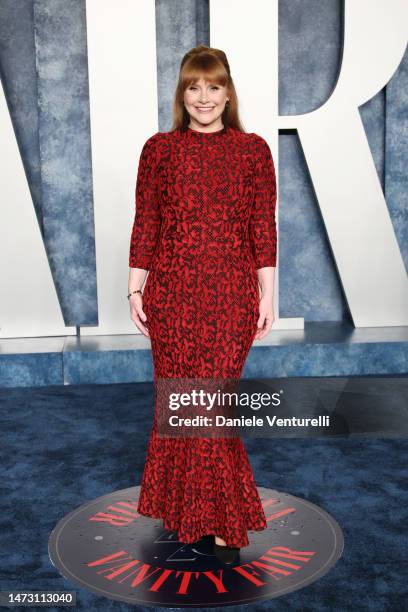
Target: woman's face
(205,103)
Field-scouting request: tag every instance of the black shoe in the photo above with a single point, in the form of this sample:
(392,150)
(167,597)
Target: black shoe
(225,554)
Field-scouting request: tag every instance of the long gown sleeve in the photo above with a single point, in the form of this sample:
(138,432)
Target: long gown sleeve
(262,223)
(147,218)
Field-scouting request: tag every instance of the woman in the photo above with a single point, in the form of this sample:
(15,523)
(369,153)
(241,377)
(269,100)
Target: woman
(205,231)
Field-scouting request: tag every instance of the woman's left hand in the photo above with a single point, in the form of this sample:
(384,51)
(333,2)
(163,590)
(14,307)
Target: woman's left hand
(266,317)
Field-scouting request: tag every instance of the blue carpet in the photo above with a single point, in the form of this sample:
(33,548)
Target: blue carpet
(63,446)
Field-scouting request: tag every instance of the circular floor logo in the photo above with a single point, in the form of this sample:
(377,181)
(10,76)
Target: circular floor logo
(107,547)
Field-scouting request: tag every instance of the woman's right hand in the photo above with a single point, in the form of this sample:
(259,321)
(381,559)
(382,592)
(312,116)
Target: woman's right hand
(137,313)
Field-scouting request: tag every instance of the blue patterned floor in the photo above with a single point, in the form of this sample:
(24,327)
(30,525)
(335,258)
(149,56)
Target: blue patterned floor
(64,445)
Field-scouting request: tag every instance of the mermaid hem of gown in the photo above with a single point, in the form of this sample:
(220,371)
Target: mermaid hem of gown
(193,537)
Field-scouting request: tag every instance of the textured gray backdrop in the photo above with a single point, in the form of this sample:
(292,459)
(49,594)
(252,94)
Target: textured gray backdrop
(43,66)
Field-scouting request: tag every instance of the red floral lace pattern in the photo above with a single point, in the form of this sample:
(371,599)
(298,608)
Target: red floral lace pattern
(204,224)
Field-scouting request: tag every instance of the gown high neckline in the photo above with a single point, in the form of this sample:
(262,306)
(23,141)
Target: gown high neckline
(198,134)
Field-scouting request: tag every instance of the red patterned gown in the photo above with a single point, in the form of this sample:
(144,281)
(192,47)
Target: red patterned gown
(204,224)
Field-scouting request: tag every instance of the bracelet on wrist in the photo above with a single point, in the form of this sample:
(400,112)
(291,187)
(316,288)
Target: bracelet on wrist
(135,291)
